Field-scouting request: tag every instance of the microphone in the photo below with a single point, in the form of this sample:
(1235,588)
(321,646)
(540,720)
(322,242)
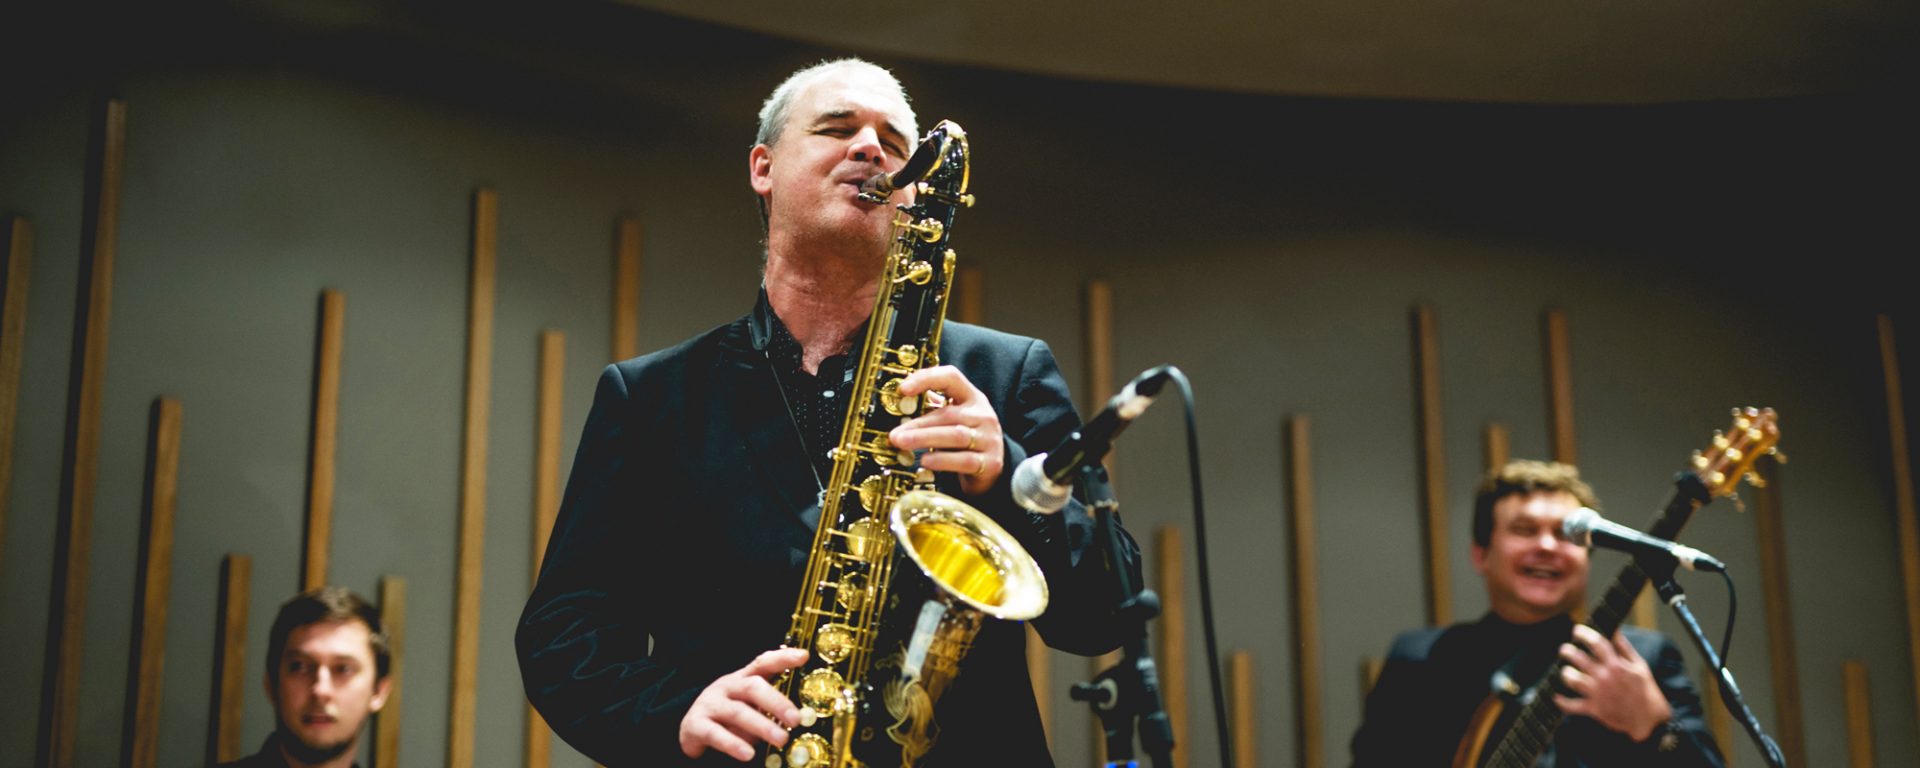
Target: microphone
(1587,527)
(1042,482)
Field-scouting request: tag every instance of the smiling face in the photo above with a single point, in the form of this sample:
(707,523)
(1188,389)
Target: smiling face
(842,128)
(1533,573)
(325,690)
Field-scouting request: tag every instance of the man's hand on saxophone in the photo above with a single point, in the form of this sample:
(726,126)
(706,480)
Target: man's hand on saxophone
(729,716)
(962,433)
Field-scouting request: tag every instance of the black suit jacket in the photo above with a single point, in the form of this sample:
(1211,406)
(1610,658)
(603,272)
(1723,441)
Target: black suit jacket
(1434,679)
(681,523)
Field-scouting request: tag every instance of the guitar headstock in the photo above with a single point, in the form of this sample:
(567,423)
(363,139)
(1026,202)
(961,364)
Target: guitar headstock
(1753,434)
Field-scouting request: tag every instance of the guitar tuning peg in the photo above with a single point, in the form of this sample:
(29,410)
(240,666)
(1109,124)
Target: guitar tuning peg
(1720,441)
(1778,457)
(1754,479)
(1699,461)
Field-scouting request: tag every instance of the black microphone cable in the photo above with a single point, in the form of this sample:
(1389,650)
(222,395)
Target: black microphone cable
(1206,583)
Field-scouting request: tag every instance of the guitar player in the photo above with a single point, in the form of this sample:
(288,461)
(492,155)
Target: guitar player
(1627,698)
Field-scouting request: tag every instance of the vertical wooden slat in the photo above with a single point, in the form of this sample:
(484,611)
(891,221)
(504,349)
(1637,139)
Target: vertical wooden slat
(1859,715)
(140,731)
(1098,327)
(16,263)
(969,295)
(1433,467)
(1306,594)
(473,483)
(1789,726)
(1719,720)
(1560,386)
(1906,527)
(393,619)
(1499,446)
(626,288)
(546,502)
(1171,584)
(229,660)
(1246,722)
(80,459)
(326,420)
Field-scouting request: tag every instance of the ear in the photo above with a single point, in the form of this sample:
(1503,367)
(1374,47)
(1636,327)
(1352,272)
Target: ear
(1478,554)
(380,691)
(760,170)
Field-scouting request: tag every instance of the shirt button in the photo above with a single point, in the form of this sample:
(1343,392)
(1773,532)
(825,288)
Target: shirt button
(827,394)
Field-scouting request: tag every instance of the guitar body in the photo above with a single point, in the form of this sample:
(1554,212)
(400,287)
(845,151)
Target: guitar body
(1478,729)
(1716,472)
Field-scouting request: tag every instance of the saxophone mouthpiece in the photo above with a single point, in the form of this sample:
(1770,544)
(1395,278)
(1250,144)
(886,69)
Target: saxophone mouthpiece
(877,189)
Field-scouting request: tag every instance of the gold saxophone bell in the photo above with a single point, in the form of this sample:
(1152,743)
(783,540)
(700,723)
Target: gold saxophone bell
(970,556)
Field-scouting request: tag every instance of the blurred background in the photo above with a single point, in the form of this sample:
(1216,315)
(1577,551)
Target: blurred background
(1623,218)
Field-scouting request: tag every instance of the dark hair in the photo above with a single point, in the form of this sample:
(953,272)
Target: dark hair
(323,604)
(1525,477)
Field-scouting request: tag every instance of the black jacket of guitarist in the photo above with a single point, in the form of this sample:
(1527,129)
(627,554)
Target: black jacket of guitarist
(1434,680)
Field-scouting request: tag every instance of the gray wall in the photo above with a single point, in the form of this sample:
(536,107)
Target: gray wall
(1706,256)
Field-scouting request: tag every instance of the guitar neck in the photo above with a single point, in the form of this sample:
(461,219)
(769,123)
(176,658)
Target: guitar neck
(1533,728)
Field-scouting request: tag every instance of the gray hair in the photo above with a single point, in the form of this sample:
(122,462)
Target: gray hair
(774,113)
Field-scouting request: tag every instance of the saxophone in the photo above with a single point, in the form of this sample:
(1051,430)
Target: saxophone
(886,644)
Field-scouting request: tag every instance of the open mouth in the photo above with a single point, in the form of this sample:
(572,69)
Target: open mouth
(1538,572)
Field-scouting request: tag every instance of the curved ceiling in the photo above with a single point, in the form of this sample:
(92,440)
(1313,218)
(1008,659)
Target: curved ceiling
(1521,51)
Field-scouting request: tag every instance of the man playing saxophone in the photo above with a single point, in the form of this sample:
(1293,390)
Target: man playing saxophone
(688,517)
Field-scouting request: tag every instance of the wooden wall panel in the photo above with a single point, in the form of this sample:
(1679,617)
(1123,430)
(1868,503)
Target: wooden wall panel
(1560,386)
(1097,323)
(1306,596)
(320,456)
(393,619)
(140,729)
(626,288)
(1859,715)
(473,483)
(1246,722)
(969,295)
(1172,637)
(16,264)
(1719,720)
(1789,726)
(546,500)
(80,456)
(1433,466)
(229,660)
(1906,528)
(1499,446)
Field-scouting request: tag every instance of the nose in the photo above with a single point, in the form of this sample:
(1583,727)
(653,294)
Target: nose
(323,683)
(865,146)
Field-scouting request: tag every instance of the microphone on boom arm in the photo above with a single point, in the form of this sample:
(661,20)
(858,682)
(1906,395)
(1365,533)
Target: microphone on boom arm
(1043,481)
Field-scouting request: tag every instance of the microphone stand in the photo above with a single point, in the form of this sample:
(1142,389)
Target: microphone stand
(1659,569)
(1129,690)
